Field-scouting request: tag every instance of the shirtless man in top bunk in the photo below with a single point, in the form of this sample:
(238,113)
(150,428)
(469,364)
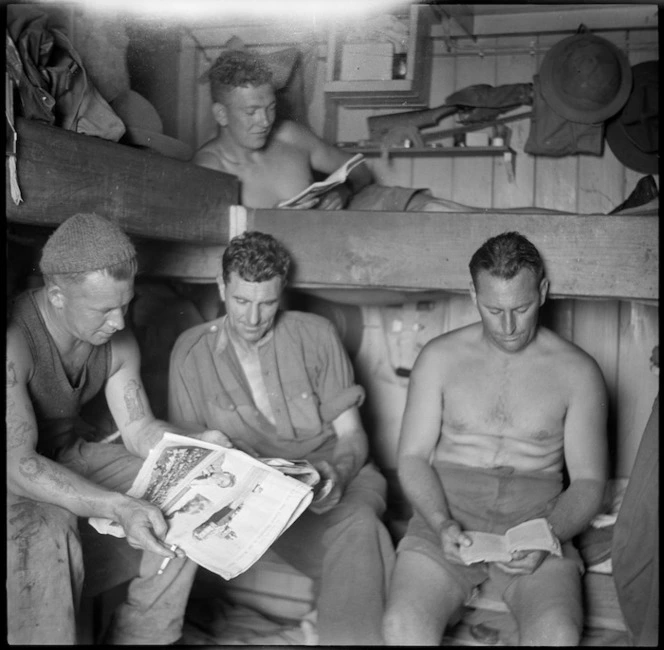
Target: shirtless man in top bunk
(496,411)
(273,160)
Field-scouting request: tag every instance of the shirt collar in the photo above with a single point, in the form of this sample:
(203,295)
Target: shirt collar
(224,339)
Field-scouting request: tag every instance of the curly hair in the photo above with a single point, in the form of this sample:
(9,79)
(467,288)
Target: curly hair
(505,255)
(256,257)
(234,69)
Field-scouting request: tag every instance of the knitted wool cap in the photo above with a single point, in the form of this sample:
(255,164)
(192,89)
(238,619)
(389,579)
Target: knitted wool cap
(85,242)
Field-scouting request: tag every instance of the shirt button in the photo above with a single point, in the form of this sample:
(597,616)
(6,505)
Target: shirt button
(305,395)
(231,407)
(213,328)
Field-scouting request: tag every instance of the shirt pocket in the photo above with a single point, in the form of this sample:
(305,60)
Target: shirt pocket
(303,408)
(230,416)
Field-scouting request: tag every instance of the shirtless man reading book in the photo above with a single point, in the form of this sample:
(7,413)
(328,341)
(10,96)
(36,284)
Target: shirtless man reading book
(273,160)
(276,159)
(495,411)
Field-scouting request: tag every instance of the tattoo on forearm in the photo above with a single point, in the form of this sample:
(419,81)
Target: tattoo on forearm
(133,401)
(32,467)
(35,468)
(11,375)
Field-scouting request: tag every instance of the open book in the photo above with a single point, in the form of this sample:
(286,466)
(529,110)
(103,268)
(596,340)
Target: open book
(315,190)
(224,508)
(533,535)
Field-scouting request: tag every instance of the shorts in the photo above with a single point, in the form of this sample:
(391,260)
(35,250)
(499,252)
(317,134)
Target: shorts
(489,500)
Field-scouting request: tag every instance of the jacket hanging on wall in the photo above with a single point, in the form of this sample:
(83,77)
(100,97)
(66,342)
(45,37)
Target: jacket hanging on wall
(54,86)
(552,135)
(583,81)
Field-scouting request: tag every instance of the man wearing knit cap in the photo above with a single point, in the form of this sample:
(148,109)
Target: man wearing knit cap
(66,342)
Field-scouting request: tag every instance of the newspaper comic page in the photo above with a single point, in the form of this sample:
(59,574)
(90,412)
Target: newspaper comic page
(224,508)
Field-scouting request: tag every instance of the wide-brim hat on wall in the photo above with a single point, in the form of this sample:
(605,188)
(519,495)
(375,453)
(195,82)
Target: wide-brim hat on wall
(634,133)
(145,128)
(585,78)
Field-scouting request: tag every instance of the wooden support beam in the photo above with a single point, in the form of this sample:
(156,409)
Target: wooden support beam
(61,173)
(180,214)
(586,256)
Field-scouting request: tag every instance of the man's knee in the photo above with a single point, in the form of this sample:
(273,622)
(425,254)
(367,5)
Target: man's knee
(41,535)
(404,625)
(356,519)
(554,627)
(34,520)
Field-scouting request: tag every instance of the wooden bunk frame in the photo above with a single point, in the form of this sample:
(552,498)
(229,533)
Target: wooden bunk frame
(183,216)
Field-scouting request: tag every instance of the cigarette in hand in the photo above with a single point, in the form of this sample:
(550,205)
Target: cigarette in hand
(166,560)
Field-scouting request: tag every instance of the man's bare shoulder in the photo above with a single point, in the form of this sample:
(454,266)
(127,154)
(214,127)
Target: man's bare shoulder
(455,339)
(209,155)
(292,133)
(448,348)
(125,350)
(566,356)
(18,350)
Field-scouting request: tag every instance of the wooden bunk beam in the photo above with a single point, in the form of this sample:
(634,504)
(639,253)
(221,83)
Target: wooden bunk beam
(180,215)
(61,173)
(587,256)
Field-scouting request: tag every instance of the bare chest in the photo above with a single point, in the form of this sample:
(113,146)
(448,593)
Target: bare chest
(270,179)
(526,404)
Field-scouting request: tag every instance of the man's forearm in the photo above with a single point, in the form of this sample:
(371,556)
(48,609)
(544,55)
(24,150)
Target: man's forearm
(575,507)
(349,457)
(41,479)
(359,178)
(422,487)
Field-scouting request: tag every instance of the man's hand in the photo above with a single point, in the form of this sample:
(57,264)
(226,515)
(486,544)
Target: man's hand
(221,439)
(452,538)
(331,496)
(213,436)
(523,562)
(144,526)
(336,199)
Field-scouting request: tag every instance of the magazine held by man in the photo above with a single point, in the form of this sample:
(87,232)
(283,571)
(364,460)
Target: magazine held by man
(224,507)
(316,190)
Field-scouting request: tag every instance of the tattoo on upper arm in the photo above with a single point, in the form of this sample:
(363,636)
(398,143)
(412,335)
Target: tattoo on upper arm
(18,434)
(11,375)
(133,401)
(19,430)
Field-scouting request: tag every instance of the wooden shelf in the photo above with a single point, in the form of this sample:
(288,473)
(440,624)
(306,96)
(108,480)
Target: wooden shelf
(412,90)
(429,151)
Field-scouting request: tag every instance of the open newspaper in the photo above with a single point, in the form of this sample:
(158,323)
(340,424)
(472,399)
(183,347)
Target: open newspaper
(315,190)
(224,508)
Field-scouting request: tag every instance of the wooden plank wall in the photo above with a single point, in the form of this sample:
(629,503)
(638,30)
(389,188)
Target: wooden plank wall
(619,334)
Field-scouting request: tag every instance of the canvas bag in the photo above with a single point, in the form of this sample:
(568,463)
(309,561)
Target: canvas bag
(56,88)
